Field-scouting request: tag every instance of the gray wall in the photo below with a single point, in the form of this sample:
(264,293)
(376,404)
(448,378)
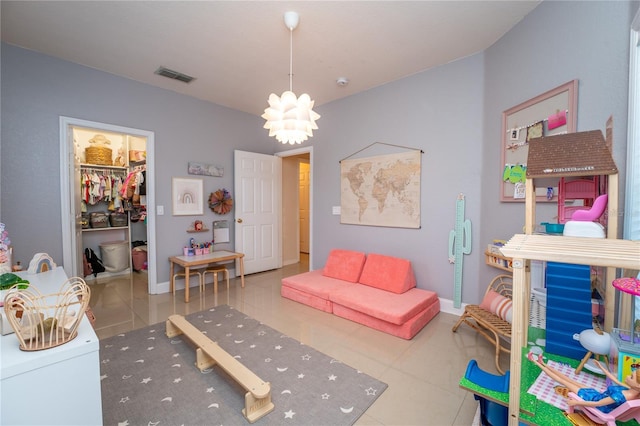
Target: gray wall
(557,42)
(438,111)
(37,89)
(451,112)
(454,114)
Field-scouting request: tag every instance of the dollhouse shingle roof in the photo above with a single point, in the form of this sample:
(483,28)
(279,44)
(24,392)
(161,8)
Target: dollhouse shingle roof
(570,154)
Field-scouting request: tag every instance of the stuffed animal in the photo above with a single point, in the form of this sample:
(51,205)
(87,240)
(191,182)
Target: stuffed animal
(119,161)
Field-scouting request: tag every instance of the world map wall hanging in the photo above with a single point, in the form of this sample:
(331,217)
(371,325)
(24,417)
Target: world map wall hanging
(383,190)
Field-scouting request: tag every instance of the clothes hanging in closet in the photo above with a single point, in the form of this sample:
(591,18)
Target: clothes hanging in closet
(132,184)
(100,185)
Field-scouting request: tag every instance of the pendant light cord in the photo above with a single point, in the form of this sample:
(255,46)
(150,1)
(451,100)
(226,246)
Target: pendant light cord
(291,59)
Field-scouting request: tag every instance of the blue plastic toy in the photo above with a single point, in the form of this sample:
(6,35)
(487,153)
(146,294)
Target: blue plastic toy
(491,413)
(487,380)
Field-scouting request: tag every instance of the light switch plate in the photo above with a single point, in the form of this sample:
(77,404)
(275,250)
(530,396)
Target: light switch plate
(160,210)
(335,210)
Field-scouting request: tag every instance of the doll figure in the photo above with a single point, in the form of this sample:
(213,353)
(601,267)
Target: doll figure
(605,401)
(119,161)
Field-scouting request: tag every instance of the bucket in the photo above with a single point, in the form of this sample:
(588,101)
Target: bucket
(115,255)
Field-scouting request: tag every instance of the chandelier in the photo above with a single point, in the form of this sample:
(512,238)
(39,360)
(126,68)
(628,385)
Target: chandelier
(289,118)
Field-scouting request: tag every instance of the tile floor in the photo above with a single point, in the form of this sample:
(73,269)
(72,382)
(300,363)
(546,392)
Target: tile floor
(422,373)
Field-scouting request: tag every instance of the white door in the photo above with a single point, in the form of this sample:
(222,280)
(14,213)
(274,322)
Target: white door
(77,208)
(258,205)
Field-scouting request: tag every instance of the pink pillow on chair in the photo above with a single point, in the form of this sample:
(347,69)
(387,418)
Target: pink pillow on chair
(499,305)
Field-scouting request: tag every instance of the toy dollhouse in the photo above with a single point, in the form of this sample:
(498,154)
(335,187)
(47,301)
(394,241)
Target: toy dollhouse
(569,155)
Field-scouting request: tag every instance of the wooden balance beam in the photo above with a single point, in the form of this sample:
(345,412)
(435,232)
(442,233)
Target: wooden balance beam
(257,400)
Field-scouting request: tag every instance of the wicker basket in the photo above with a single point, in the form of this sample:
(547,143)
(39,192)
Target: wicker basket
(46,321)
(118,219)
(99,220)
(100,155)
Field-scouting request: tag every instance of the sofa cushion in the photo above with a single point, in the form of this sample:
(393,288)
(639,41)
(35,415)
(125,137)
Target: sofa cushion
(388,273)
(315,283)
(406,330)
(306,298)
(344,265)
(381,304)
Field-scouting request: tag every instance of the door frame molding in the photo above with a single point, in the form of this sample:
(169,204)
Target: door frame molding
(298,151)
(67,188)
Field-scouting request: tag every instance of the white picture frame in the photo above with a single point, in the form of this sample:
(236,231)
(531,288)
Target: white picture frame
(187,197)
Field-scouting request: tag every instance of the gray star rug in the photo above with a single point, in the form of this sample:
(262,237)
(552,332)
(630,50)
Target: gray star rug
(150,379)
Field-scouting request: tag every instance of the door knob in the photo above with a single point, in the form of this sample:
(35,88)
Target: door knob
(239,220)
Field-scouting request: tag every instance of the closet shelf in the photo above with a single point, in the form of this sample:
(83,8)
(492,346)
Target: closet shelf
(107,228)
(99,167)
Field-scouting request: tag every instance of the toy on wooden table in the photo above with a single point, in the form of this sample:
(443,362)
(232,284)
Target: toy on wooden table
(41,262)
(627,411)
(625,347)
(5,250)
(491,412)
(606,401)
(583,222)
(594,213)
(487,380)
(596,342)
(45,321)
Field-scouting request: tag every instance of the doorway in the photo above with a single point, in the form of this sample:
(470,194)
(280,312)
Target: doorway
(297,190)
(71,164)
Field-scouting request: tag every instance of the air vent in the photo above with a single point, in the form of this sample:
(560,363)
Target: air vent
(174,75)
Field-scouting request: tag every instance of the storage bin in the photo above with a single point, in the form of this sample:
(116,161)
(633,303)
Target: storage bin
(118,219)
(99,220)
(99,155)
(98,152)
(137,155)
(115,255)
(139,258)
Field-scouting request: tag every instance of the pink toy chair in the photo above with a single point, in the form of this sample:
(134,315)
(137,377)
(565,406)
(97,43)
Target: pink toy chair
(594,212)
(627,411)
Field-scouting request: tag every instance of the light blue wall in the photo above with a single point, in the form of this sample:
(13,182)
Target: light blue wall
(451,112)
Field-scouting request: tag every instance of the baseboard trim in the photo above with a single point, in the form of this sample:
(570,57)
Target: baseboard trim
(446,305)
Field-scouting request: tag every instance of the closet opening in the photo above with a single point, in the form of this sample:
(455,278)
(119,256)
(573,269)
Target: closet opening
(107,201)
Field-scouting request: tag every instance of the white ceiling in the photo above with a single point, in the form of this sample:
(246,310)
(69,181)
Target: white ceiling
(238,51)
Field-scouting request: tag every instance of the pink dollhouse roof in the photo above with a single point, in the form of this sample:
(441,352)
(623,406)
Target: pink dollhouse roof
(570,154)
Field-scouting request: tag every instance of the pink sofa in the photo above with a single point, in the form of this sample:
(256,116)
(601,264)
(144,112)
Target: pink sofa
(375,290)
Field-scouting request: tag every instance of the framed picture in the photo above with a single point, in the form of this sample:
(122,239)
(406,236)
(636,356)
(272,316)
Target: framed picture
(203,169)
(187,197)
